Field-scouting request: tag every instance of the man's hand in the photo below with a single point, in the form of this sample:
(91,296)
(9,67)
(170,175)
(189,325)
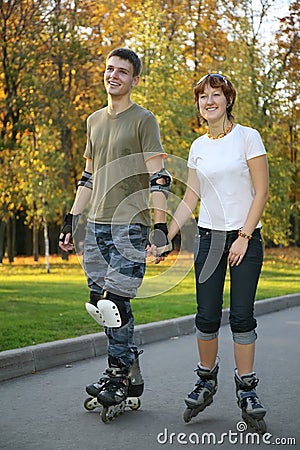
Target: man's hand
(65,237)
(160,245)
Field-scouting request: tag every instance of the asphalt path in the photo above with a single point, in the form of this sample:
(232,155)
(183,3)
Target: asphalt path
(45,410)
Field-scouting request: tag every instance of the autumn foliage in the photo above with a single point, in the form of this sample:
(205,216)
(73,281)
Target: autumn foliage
(52,56)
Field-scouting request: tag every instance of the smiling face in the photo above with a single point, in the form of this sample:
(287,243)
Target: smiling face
(215,90)
(212,104)
(118,77)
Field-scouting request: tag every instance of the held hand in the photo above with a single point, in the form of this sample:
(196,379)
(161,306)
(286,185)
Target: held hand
(159,238)
(151,250)
(237,251)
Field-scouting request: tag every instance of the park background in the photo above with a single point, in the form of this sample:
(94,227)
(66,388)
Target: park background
(51,78)
(52,61)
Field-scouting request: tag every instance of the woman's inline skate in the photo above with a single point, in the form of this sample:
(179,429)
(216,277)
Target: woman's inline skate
(203,392)
(118,389)
(253,411)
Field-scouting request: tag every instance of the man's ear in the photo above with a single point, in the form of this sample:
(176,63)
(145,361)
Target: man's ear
(135,81)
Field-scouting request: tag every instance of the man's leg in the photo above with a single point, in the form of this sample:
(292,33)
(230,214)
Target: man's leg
(124,275)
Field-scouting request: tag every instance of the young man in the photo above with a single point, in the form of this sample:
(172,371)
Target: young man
(123,153)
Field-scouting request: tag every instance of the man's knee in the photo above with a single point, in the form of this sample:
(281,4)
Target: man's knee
(123,305)
(109,310)
(95,297)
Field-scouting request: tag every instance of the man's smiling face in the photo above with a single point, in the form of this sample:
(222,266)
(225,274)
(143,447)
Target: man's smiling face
(118,77)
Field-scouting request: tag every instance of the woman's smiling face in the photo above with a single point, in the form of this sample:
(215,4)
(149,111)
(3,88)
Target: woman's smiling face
(212,104)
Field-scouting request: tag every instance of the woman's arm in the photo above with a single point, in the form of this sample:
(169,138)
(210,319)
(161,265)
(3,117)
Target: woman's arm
(187,204)
(260,178)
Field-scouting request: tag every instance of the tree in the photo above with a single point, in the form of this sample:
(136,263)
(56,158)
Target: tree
(52,60)
(283,113)
(20,23)
(259,72)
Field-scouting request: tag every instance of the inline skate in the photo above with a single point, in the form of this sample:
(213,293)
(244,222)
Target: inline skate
(253,411)
(118,389)
(203,392)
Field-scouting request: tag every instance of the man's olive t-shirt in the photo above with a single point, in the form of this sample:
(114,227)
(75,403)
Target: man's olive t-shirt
(118,146)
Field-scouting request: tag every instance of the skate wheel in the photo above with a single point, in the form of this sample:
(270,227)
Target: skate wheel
(261,426)
(104,414)
(135,405)
(258,425)
(187,415)
(88,404)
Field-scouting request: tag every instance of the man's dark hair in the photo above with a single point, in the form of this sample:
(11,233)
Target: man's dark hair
(129,55)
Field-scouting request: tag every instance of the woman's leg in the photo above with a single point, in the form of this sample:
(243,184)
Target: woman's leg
(244,279)
(208,351)
(209,292)
(244,357)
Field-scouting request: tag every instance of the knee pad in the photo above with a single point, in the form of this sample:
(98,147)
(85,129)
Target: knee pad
(247,337)
(95,297)
(112,311)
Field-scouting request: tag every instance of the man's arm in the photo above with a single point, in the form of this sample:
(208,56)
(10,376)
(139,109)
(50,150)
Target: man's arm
(159,200)
(83,193)
(160,181)
(82,198)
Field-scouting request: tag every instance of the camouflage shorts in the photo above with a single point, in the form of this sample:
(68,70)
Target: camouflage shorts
(114,257)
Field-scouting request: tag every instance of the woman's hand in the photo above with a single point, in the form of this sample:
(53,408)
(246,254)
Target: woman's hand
(151,250)
(237,251)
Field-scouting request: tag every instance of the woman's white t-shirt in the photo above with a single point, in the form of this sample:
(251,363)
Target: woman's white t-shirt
(226,187)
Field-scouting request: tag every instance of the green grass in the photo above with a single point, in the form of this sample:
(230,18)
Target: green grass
(37,307)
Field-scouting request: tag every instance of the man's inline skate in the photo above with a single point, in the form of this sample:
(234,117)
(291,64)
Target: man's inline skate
(253,411)
(203,392)
(118,389)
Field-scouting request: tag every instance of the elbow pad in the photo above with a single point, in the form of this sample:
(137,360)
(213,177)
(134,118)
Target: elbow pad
(165,188)
(86,180)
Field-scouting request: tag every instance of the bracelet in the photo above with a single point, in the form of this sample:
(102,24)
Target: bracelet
(244,235)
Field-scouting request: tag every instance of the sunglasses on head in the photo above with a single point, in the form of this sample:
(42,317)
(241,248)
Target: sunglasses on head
(217,75)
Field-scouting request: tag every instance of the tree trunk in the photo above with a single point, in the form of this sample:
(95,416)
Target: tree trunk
(35,241)
(46,240)
(2,239)
(10,237)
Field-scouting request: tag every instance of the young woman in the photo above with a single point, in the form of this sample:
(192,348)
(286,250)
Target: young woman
(228,171)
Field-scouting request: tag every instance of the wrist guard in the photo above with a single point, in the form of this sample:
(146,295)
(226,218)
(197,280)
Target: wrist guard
(69,223)
(160,239)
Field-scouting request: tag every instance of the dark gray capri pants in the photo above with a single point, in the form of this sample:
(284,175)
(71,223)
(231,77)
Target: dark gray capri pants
(211,261)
